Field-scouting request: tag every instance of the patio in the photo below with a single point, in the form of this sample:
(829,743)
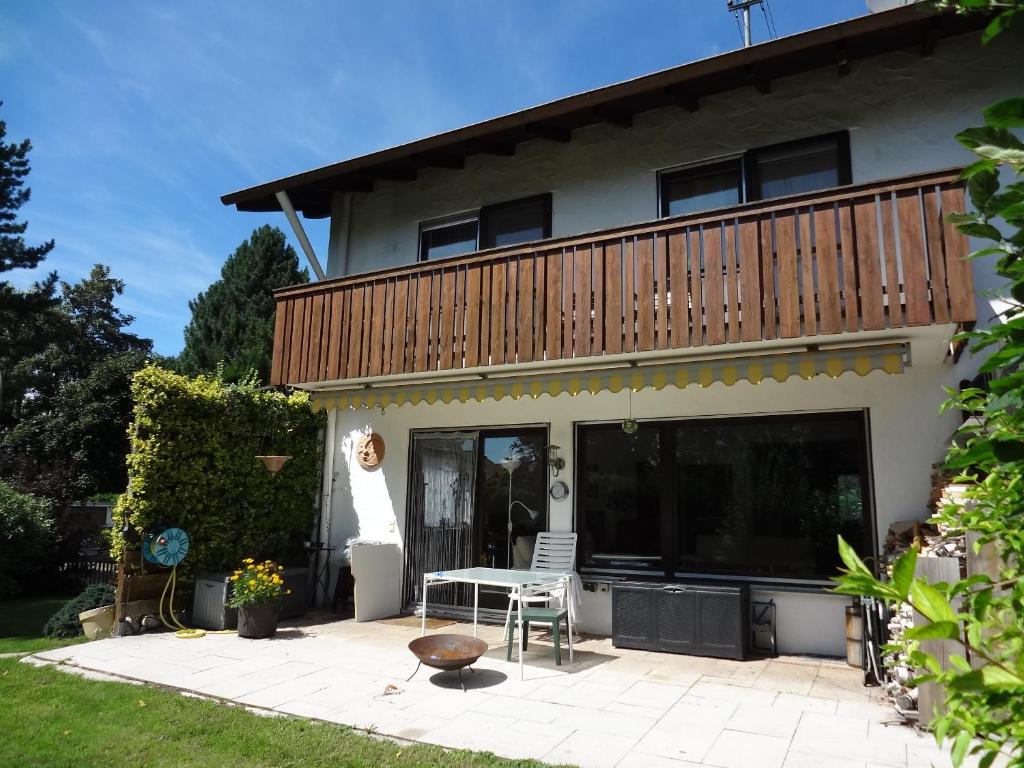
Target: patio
(611,707)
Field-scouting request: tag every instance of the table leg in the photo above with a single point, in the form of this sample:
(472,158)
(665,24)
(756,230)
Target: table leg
(423,609)
(522,630)
(568,613)
(476,605)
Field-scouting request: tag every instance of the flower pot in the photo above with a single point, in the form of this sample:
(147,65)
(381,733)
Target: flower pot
(98,622)
(256,621)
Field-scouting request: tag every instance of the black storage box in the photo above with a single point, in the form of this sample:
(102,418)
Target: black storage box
(698,619)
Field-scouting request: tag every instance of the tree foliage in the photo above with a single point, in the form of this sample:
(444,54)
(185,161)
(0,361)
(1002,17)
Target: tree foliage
(72,397)
(19,309)
(193,465)
(233,320)
(26,530)
(984,712)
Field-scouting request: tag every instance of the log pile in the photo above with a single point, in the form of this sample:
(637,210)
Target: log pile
(931,540)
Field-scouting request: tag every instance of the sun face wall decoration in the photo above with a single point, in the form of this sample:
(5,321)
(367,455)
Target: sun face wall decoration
(370,451)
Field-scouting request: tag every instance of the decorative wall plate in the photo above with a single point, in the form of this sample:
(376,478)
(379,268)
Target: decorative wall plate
(370,451)
(559,490)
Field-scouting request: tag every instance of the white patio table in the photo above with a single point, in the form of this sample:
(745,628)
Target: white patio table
(518,582)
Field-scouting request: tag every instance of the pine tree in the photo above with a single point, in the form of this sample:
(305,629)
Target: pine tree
(233,320)
(25,315)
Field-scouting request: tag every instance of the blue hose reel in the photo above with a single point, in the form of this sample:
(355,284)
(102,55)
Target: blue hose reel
(165,546)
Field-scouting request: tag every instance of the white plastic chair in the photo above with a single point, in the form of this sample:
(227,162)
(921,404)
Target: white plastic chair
(555,552)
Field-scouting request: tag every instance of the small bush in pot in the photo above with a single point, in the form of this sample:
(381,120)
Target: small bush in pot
(65,623)
(256,592)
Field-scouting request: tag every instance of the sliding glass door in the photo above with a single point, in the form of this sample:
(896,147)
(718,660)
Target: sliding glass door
(475,498)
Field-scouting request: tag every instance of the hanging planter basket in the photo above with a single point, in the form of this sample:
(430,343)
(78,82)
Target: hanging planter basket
(274,464)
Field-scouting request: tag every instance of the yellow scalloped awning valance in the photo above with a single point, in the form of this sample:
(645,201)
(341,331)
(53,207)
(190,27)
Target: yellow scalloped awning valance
(889,358)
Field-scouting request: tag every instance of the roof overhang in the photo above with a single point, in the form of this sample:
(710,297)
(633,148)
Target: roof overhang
(836,45)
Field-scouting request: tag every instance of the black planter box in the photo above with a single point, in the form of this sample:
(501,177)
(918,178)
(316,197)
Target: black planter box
(701,620)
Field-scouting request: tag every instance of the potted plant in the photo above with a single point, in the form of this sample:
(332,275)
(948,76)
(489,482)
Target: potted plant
(256,592)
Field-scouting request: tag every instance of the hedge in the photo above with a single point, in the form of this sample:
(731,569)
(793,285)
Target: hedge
(193,465)
(26,541)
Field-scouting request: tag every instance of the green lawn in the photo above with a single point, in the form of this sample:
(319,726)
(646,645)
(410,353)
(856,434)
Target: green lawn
(52,719)
(21,624)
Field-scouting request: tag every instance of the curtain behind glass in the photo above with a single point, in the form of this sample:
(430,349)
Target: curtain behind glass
(440,531)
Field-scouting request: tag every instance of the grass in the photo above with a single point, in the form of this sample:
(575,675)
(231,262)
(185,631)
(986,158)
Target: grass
(52,719)
(21,625)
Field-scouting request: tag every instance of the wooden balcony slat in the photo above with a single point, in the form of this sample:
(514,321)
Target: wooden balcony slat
(830,301)
(936,258)
(893,286)
(715,301)
(645,293)
(805,260)
(789,286)
(597,290)
(959,275)
(661,318)
(860,258)
(750,316)
(612,296)
(584,292)
(679,311)
(694,266)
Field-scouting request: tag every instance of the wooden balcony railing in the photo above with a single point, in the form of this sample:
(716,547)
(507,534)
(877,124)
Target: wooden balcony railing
(856,258)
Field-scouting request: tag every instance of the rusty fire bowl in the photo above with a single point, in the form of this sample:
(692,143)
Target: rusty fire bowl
(448,652)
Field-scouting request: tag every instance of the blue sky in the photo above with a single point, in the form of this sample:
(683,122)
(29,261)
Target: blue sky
(142,114)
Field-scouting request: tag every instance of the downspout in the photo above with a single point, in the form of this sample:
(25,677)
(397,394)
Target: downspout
(341,225)
(286,205)
(326,497)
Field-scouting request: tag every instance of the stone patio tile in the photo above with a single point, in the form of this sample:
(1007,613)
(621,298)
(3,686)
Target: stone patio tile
(680,741)
(604,721)
(806,703)
(496,734)
(827,689)
(517,709)
(734,749)
(417,728)
(873,710)
(731,693)
(801,760)
(720,680)
(590,750)
(765,720)
(818,725)
(858,748)
(301,708)
(652,713)
(691,710)
(596,695)
(232,688)
(920,756)
(636,759)
(787,678)
(656,695)
(894,732)
(281,693)
(290,670)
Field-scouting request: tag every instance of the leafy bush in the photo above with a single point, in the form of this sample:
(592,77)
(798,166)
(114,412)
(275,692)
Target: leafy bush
(193,465)
(65,623)
(26,539)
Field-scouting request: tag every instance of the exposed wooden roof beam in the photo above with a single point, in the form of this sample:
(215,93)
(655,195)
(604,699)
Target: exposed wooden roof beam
(392,174)
(499,148)
(759,81)
(842,60)
(614,115)
(550,132)
(683,99)
(340,184)
(454,162)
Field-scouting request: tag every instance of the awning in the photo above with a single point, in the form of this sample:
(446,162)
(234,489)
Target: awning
(889,358)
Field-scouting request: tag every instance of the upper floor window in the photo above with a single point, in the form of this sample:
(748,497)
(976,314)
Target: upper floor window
(780,169)
(516,221)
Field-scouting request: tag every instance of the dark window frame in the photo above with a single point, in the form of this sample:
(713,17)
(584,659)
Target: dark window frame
(442,222)
(486,236)
(749,187)
(669,568)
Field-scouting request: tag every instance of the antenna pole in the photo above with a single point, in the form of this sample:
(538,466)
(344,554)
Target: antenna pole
(743,6)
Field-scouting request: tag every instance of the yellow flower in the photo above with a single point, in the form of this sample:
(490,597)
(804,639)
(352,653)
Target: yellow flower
(248,560)
(235,577)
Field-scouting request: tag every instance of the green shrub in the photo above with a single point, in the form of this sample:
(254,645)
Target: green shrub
(65,623)
(26,540)
(193,465)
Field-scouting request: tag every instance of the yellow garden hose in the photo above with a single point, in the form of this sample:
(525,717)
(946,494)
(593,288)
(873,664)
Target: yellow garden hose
(179,629)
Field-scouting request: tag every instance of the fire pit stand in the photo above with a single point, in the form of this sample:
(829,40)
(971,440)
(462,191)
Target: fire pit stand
(447,653)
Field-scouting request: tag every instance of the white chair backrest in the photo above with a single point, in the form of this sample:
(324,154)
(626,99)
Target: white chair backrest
(554,551)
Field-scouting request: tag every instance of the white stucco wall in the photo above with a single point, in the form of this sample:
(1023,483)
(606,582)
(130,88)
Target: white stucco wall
(901,109)
(907,437)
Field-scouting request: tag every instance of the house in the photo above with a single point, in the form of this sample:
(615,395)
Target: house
(703,318)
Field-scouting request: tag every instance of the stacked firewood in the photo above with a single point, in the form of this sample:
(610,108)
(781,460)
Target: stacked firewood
(931,541)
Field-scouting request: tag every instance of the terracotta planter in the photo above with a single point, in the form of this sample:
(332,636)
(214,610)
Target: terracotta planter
(257,621)
(98,622)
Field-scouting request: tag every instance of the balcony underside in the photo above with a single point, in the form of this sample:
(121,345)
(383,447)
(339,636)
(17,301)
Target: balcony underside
(844,261)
